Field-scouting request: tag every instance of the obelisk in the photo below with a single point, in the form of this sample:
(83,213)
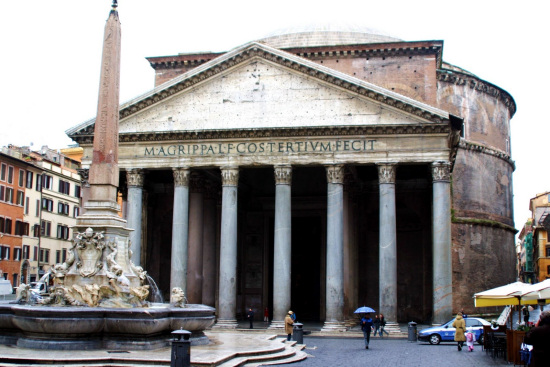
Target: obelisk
(101,207)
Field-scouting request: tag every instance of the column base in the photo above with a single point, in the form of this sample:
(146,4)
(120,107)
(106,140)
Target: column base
(351,322)
(332,326)
(277,325)
(225,324)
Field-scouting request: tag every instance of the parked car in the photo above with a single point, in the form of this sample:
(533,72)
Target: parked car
(39,288)
(446,332)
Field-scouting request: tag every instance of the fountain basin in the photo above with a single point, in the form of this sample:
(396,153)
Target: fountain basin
(85,328)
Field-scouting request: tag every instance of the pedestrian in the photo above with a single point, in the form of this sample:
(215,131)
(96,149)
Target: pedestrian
(366,328)
(525,315)
(463,313)
(266,315)
(292,316)
(539,338)
(460,325)
(250,317)
(376,324)
(383,326)
(470,339)
(288,325)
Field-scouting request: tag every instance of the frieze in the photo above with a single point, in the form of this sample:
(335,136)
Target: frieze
(283,175)
(303,66)
(386,173)
(479,85)
(441,171)
(335,174)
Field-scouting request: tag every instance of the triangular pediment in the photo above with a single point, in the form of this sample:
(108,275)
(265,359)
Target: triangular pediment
(259,87)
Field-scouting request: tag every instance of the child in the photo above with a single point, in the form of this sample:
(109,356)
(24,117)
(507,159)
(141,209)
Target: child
(470,339)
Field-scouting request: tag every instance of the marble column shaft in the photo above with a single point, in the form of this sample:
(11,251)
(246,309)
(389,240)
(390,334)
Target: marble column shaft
(209,247)
(442,261)
(335,248)
(134,179)
(180,229)
(195,254)
(282,258)
(388,243)
(228,249)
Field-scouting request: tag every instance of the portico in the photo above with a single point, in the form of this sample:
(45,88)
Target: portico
(314,209)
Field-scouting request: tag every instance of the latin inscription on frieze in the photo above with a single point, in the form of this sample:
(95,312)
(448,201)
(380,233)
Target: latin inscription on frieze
(262,148)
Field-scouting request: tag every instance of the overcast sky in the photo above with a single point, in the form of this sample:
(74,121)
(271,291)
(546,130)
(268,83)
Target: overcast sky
(51,52)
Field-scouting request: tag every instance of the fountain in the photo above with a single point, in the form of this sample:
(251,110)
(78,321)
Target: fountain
(99,296)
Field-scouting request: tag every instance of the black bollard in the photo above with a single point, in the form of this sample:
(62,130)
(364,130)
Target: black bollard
(298,333)
(181,349)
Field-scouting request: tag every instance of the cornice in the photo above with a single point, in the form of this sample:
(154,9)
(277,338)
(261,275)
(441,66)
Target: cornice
(476,147)
(86,137)
(286,60)
(457,78)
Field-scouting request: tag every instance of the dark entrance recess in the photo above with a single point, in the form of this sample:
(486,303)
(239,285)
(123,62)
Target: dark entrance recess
(307,240)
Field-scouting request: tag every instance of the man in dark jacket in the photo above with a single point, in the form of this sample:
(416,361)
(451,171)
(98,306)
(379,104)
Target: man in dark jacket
(366,327)
(539,338)
(250,317)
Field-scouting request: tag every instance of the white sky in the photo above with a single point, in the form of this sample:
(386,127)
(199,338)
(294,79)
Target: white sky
(51,51)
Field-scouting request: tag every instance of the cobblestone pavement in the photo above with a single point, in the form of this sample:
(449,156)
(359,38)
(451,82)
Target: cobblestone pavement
(351,352)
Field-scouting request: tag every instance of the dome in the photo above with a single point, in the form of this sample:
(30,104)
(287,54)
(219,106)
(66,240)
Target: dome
(331,34)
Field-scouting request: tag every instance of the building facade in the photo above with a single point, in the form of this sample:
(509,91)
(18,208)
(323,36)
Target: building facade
(537,246)
(319,171)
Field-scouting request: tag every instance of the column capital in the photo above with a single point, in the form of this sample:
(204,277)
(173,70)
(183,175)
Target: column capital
(134,177)
(386,172)
(283,175)
(441,171)
(181,176)
(230,176)
(335,174)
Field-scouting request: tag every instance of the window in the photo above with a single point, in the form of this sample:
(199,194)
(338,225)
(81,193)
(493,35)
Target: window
(44,255)
(9,195)
(77,191)
(21,178)
(547,251)
(26,251)
(47,204)
(62,232)
(4,253)
(76,211)
(37,207)
(20,198)
(38,182)
(47,182)
(3,171)
(36,232)
(57,257)
(64,187)
(29,180)
(21,228)
(2,192)
(2,222)
(46,228)
(7,226)
(27,206)
(63,208)
(10,174)
(64,255)
(17,254)
(35,253)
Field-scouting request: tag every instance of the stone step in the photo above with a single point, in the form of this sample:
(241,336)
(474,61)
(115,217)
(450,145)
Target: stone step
(292,352)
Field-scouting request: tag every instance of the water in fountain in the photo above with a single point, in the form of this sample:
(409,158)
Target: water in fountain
(155,296)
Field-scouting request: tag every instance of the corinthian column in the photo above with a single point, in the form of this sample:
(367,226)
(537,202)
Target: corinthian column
(227,317)
(442,263)
(134,179)
(194,271)
(180,229)
(388,243)
(335,250)
(282,259)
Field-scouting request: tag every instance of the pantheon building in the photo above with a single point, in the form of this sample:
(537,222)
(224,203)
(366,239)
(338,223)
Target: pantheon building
(318,170)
